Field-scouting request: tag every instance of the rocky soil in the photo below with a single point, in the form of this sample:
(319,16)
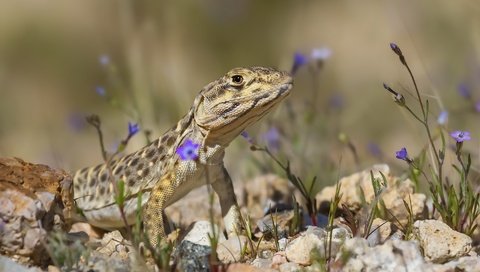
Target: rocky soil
(36,233)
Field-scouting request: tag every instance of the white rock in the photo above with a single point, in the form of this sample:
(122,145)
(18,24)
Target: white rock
(468,263)
(8,265)
(230,250)
(262,263)
(319,232)
(47,199)
(33,237)
(198,233)
(439,242)
(282,243)
(289,267)
(394,255)
(398,235)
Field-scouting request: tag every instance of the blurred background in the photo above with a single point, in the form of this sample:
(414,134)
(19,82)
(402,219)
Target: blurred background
(144,62)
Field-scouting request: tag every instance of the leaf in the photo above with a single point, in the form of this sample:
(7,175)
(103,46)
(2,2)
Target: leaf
(120,197)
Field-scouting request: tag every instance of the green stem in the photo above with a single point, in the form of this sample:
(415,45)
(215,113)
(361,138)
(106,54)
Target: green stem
(425,123)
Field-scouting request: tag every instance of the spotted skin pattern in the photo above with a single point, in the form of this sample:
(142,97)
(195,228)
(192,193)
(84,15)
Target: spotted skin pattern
(220,112)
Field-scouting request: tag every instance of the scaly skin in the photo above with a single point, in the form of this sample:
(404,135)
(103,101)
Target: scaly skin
(220,112)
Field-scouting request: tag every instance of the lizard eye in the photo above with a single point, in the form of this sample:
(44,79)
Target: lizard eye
(237,79)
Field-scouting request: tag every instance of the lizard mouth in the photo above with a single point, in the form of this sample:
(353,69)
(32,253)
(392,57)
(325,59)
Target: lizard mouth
(285,87)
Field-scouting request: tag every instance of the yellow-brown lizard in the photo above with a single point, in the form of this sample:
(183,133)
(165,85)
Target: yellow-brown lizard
(220,112)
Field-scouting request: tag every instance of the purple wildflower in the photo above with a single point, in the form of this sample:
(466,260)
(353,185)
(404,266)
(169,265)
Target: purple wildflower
(477,106)
(402,154)
(464,91)
(133,128)
(399,53)
(272,137)
(188,150)
(396,49)
(100,91)
(460,136)
(442,118)
(298,61)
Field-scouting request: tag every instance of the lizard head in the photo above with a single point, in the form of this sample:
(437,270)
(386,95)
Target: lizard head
(240,98)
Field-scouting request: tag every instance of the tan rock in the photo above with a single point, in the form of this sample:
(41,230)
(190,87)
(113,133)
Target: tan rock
(278,259)
(314,238)
(396,191)
(114,245)
(91,231)
(281,220)
(298,250)
(379,232)
(35,200)
(264,191)
(240,267)
(52,268)
(231,250)
(194,207)
(439,242)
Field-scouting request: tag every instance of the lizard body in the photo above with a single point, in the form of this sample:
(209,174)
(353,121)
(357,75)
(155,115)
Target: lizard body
(220,112)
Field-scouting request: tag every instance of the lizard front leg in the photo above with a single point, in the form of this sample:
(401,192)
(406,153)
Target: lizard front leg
(153,212)
(228,202)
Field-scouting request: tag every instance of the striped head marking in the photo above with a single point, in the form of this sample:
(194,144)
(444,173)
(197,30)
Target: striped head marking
(241,97)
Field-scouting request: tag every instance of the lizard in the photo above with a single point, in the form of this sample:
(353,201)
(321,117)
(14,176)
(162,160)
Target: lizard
(220,112)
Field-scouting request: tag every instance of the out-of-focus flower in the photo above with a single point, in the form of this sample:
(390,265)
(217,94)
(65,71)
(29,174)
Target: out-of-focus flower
(460,136)
(77,121)
(442,118)
(477,106)
(247,137)
(100,91)
(399,53)
(272,137)
(464,91)
(396,49)
(298,61)
(104,59)
(188,151)
(336,101)
(402,154)
(321,54)
(374,149)
(133,128)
